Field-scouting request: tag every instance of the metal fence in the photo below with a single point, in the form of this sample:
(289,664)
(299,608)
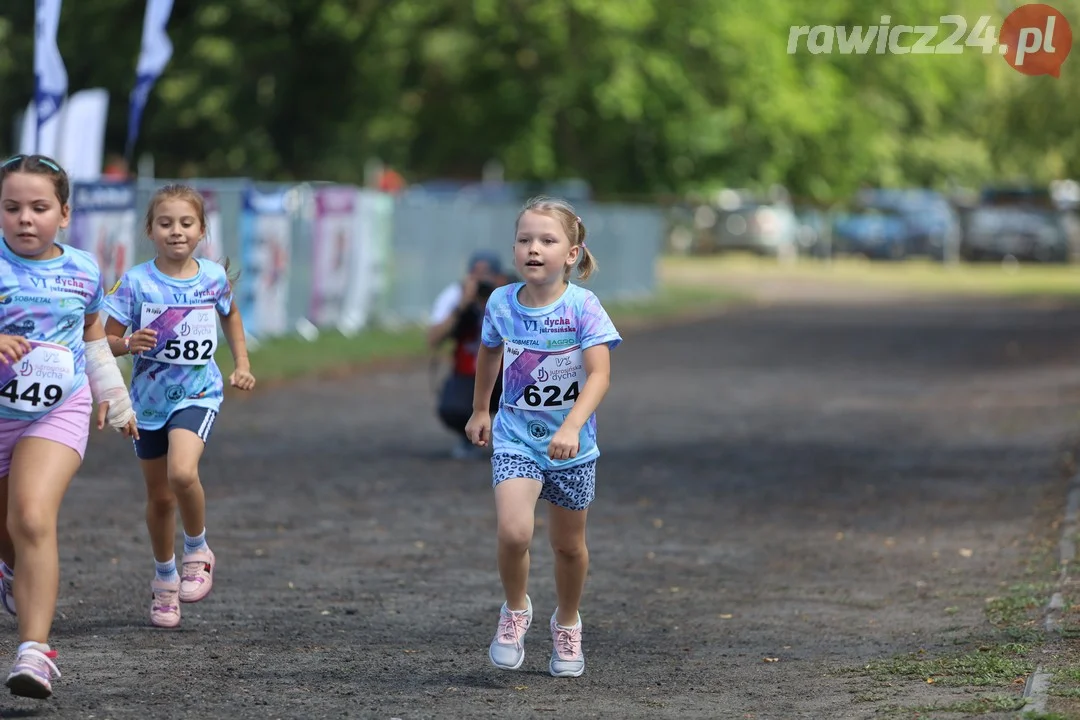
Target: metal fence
(415,245)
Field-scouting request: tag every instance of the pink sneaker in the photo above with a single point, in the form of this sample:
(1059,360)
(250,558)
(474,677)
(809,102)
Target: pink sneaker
(32,674)
(7,588)
(567,659)
(507,648)
(196,575)
(165,603)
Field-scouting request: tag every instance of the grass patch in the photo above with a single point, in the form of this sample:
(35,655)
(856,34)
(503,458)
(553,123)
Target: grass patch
(290,357)
(673,301)
(1062,661)
(1018,613)
(1034,280)
(1002,661)
(997,665)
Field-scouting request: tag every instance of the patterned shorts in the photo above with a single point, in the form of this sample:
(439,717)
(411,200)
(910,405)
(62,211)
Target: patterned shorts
(573,488)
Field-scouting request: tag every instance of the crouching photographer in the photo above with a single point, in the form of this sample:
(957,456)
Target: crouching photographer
(458,316)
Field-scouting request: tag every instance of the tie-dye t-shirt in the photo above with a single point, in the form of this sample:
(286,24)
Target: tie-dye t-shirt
(543,368)
(46,302)
(180,371)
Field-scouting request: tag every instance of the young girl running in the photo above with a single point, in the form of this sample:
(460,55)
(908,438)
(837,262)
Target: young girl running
(54,360)
(172,304)
(555,339)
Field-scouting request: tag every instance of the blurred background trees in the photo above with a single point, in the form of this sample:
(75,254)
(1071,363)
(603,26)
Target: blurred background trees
(637,97)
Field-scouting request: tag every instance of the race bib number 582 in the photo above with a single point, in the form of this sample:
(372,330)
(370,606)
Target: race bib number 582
(186,335)
(537,380)
(41,379)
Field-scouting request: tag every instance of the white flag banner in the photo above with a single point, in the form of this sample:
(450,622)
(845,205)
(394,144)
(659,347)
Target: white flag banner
(80,145)
(50,75)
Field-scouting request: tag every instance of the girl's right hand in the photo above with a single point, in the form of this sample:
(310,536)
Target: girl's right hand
(13,347)
(143,340)
(478,429)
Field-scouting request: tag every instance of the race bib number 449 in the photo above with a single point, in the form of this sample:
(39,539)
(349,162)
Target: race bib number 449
(186,335)
(537,380)
(41,379)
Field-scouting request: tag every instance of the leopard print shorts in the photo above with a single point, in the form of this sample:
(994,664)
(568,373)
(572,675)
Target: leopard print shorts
(573,488)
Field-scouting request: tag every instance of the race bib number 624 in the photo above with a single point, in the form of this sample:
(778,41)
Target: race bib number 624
(536,380)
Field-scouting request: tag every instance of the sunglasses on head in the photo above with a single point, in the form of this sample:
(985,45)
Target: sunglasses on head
(15,159)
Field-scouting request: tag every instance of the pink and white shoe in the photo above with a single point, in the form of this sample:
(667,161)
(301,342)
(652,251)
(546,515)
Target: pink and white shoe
(165,603)
(507,648)
(31,675)
(567,659)
(196,575)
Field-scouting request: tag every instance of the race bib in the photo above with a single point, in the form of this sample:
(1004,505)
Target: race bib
(41,379)
(538,380)
(186,335)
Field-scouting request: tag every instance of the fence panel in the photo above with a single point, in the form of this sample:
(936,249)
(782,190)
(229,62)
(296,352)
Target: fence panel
(383,262)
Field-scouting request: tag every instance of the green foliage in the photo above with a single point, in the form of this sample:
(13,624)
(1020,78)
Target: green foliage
(637,97)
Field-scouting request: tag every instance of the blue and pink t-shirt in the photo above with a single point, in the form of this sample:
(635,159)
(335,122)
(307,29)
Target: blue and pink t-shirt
(543,368)
(46,302)
(180,371)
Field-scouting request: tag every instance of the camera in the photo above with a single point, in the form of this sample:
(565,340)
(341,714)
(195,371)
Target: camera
(484,288)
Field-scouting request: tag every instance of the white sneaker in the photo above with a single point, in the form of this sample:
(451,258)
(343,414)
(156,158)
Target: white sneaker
(567,658)
(507,649)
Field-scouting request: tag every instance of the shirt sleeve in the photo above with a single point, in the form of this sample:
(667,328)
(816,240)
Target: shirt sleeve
(490,335)
(224,295)
(98,298)
(594,325)
(119,302)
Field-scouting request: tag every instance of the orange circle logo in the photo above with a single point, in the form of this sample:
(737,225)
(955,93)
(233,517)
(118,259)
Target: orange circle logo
(1035,39)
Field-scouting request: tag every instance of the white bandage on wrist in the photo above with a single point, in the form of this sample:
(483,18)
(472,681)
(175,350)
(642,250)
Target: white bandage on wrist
(107,384)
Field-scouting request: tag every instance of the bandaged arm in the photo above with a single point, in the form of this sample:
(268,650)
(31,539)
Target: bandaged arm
(107,384)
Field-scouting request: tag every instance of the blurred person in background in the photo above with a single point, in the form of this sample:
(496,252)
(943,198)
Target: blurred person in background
(457,316)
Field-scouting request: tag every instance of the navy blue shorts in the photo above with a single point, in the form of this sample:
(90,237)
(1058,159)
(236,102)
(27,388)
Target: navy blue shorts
(153,444)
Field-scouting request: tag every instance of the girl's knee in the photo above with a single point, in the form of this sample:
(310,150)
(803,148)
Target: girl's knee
(570,548)
(183,479)
(30,525)
(515,536)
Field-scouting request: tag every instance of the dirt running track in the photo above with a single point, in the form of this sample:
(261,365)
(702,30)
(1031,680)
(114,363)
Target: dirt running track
(793,483)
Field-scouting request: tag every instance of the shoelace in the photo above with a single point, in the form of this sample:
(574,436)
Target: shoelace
(191,570)
(512,626)
(165,600)
(40,661)
(568,641)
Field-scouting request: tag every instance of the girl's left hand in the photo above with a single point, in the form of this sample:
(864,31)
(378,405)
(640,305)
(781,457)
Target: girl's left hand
(130,430)
(564,444)
(242,379)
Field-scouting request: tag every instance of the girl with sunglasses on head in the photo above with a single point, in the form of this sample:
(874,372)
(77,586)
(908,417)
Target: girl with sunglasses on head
(54,361)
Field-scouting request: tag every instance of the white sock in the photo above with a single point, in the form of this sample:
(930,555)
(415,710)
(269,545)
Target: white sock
(194,544)
(166,571)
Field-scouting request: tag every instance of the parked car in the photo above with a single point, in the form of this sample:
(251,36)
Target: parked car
(877,233)
(894,223)
(1023,223)
(764,224)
